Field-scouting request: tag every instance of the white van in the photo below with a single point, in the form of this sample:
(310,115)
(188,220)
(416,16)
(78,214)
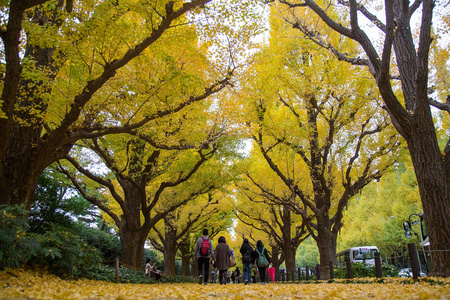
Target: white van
(362,254)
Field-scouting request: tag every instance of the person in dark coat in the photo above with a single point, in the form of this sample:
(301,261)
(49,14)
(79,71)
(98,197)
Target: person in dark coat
(246,252)
(255,254)
(222,255)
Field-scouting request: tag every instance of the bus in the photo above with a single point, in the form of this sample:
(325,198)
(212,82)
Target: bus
(362,254)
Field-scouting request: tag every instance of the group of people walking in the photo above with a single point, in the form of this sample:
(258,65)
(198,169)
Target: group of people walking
(219,258)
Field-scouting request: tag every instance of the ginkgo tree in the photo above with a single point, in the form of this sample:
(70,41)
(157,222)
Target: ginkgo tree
(262,203)
(149,179)
(403,54)
(391,200)
(177,232)
(66,69)
(304,103)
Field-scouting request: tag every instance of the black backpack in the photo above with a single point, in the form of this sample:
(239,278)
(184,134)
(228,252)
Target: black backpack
(247,257)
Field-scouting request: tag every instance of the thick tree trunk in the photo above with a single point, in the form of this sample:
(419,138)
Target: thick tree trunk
(132,247)
(325,245)
(276,262)
(194,266)
(170,249)
(23,164)
(186,256)
(434,187)
(289,258)
(18,186)
(185,264)
(418,129)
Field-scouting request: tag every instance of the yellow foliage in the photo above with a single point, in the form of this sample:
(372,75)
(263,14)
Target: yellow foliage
(21,284)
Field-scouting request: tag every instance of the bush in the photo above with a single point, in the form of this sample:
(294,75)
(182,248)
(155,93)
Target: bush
(59,250)
(108,244)
(361,270)
(16,247)
(64,253)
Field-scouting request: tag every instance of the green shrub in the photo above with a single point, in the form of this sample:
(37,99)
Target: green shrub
(64,253)
(108,244)
(16,247)
(361,270)
(126,275)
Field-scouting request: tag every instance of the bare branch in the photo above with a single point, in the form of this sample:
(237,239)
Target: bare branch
(442,106)
(367,14)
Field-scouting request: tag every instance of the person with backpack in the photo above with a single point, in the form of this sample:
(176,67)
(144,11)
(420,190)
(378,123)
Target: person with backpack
(261,256)
(222,255)
(247,260)
(203,252)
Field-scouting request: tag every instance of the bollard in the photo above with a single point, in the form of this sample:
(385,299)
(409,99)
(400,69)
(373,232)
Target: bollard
(299,274)
(117,269)
(318,272)
(378,272)
(307,273)
(330,265)
(414,260)
(348,266)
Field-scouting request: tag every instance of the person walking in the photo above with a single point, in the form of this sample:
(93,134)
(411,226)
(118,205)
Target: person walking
(221,257)
(246,252)
(254,274)
(203,252)
(237,275)
(262,258)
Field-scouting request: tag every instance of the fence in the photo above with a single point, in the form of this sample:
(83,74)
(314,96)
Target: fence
(413,258)
(307,271)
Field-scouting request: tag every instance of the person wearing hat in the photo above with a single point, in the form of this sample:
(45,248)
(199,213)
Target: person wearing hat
(247,260)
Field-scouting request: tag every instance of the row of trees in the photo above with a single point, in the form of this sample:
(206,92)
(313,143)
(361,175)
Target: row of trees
(140,89)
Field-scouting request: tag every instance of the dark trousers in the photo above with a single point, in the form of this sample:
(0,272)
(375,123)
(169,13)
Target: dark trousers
(223,276)
(203,262)
(262,273)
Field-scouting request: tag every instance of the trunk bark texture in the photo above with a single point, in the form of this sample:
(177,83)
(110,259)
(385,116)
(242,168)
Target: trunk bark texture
(417,127)
(170,250)
(276,262)
(324,243)
(288,247)
(132,242)
(186,256)
(434,187)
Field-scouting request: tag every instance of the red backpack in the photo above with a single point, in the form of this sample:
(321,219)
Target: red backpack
(204,250)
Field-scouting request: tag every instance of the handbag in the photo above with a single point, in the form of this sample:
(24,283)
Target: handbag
(232,262)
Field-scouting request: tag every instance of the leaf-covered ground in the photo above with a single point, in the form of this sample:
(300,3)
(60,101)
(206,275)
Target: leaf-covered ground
(20,284)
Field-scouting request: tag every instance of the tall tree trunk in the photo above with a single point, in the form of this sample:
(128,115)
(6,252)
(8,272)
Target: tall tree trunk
(289,259)
(434,187)
(276,261)
(170,248)
(132,242)
(186,256)
(194,266)
(325,244)
(185,264)
(22,166)
(288,247)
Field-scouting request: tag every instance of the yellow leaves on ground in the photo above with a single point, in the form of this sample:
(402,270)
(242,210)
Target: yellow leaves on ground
(19,284)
